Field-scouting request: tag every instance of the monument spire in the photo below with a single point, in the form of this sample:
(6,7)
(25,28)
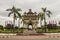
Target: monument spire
(30,10)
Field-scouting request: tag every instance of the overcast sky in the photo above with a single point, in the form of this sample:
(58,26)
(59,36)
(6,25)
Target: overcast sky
(35,5)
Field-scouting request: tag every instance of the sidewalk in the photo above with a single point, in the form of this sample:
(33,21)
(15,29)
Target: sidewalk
(46,35)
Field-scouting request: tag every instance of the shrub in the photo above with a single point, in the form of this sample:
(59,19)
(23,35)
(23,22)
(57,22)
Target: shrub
(1,27)
(9,26)
(16,27)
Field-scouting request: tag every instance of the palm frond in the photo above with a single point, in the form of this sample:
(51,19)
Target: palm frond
(19,15)
(9,10)
(15,16)
(13,7)
(10,14)
(19,9)
(44,9)
(15,11)
(48,15)
(49,11)
(41,15)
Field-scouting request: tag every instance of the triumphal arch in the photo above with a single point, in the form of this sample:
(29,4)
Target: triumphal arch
(30,19)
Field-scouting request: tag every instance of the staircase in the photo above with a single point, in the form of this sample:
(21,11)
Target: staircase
(28,32)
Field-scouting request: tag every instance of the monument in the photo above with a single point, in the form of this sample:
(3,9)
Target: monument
(30,20)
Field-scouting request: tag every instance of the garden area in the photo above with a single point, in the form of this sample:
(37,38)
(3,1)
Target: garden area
(46,28)
(49,29)
(10,29)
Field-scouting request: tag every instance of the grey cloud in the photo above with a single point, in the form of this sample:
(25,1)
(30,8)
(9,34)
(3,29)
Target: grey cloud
(53,5)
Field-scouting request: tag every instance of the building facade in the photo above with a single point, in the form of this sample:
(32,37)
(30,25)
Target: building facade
(30,19)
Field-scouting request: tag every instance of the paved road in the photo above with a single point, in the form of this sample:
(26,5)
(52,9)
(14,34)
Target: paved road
(40,37)
(29,38)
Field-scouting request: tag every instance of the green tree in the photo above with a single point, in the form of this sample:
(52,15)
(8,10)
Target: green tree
(1,27)
(15,13)
(9,27)
(41,16)
(59,23)
(19,16)
(45,13)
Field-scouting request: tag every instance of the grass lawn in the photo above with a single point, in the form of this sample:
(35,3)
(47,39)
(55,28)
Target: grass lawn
(38,31)
(53,31)
(48,31)
(11,31)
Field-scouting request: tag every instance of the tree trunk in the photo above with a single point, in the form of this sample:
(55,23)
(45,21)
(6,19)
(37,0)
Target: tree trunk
(41,23)
(45,23)
(19,22)
(14,23)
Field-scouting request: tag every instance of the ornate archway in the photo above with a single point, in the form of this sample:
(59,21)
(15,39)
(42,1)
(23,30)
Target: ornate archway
(30,25)
(30,18)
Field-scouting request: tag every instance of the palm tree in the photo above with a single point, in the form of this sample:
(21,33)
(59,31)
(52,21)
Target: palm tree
(46,12)
(15,12)
(41,16)
(19,16)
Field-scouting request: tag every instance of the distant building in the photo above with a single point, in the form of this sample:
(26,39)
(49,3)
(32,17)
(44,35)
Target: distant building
(52,23)
(8,22)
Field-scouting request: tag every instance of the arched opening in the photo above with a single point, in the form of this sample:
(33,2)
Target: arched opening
(30,26)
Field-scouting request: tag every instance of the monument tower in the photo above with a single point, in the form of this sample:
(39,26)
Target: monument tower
(30,20)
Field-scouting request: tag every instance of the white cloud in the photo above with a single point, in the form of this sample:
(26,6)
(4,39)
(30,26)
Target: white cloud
(3,19)
(35,5)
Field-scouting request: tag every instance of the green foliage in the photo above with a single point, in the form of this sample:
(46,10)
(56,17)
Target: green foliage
(59,23)
(39,31)
(9,27)
(10,31)
(42,27)
(41,15)
(16,27)
(52,26)
(46,12)
(1,27)
(53,31)
(15,12)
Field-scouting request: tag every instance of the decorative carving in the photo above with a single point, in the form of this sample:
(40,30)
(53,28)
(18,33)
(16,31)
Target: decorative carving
(30,18)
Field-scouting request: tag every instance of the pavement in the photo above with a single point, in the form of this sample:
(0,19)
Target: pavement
(29,38)
(47,36)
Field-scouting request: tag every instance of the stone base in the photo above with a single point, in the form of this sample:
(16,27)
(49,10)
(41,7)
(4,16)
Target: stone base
(32,32)
(28,32)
